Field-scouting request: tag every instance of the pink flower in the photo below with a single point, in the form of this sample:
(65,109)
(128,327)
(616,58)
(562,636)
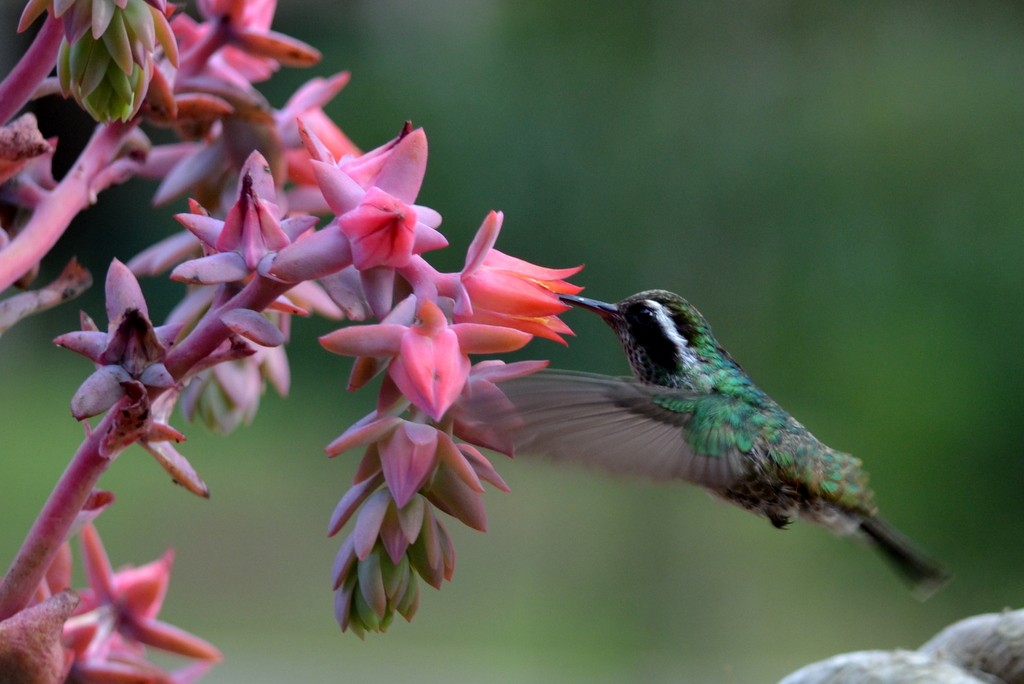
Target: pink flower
(118,615)
(129,355)
(248,238)
(377,225)
(306,105)
(499,289)
(430,361)
(385,231)
(235,43)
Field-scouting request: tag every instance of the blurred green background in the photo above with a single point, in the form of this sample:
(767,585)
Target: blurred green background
(836,185)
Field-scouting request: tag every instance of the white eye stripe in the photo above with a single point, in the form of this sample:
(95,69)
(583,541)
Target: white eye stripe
(668,326)
(684,354)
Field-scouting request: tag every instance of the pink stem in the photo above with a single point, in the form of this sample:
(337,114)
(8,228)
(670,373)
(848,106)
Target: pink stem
(195,59)
(34,66)
(76,191)
(51,527)
(256,296)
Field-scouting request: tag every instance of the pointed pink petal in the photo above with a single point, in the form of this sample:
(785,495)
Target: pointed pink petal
(32,10)
(501,261)
(253,326)
(141,590)
(483,241)
(279,47)
(454,497)
(447,549)
(99,392)
(157,376)
(317,149)
(368,522)
(224,267)
(369,464)
(362,433)
(340,190)
(316,92)
(475,338)
(407,458)
(313,255)
(163,255)
(454,459)
(427,239)
(343,595)
(98,572)
(410,517)
(365,369)
(392,536)
(96,503)
(207,162)
(206,228)
(483,467)
(313,297)
(351,501)
(172,639)
(382,339)
(547,327)
(507,292)
(343,562)
(88,343)
(378,287)
(177,466)
(294,226)
(257,169)
(123,292)
(403,171)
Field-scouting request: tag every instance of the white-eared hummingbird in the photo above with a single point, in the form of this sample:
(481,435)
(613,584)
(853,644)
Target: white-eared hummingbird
(692,413)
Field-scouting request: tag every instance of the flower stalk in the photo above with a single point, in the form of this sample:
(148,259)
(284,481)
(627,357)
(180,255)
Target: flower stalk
(19,86)
(90,175)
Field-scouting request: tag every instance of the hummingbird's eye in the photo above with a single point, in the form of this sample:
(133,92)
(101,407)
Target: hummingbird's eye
(642,315)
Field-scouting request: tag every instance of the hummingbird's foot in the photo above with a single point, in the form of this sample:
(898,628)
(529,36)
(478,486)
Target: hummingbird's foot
(780,522)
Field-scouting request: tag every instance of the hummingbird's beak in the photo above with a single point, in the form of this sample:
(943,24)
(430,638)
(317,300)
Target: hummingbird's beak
(602,309)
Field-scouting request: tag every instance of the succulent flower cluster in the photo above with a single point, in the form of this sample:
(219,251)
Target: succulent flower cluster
(253,254)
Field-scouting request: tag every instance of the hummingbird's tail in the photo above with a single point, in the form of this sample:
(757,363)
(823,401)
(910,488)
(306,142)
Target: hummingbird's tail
(924,575)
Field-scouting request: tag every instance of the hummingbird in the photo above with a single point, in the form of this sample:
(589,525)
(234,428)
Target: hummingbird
(691,413)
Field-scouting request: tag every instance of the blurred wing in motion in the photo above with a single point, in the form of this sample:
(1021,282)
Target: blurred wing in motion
(615,424)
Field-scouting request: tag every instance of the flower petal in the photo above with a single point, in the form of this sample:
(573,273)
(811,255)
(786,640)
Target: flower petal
(253,326)
(408,457)
(371,515)
(352,499)
(456,498)
(363,432)
(223,267)
(382,339)
(430,371)
(476,338)
(99,392)
(123,291)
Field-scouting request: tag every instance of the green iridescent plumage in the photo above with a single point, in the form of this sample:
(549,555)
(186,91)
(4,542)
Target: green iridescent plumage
(692,413)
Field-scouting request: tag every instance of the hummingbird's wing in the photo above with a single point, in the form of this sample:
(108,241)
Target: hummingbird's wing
(616,424)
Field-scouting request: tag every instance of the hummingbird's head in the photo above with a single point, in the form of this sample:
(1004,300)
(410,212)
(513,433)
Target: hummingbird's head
(667,340)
